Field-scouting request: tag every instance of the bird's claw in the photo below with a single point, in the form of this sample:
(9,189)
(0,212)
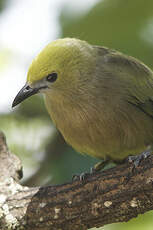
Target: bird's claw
(95,169)
(137,159)
(80,177)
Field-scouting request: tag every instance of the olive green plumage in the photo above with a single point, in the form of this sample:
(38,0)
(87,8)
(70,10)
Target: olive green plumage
(101,101)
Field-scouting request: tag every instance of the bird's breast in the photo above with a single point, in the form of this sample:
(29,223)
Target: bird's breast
(100,130)
(79,126)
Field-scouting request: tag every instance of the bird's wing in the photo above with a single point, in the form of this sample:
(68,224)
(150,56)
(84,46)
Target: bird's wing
(137,78)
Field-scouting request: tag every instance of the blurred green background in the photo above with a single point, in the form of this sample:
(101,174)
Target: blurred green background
(27,26)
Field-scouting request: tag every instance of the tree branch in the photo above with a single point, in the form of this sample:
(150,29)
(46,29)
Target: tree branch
(115,195)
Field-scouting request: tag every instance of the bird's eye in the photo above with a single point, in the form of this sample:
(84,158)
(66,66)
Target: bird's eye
(52,77)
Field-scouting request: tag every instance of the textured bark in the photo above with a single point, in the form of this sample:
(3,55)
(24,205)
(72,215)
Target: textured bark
(116,195)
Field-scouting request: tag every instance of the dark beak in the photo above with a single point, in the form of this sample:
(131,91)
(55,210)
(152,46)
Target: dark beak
(24,93)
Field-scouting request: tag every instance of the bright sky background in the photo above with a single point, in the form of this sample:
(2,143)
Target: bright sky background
(24,31)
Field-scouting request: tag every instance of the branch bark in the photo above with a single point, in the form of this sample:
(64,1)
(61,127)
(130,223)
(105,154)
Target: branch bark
(115,195)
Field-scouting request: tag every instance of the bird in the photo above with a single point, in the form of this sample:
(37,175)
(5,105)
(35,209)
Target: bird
(100,99)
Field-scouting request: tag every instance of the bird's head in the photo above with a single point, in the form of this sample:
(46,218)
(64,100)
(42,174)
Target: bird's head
(59,67)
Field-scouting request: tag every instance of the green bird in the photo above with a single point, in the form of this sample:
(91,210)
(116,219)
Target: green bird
(99,99)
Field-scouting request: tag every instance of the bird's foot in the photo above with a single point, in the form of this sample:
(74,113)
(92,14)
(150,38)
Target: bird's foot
(80,177)
(97,167)
(137,159)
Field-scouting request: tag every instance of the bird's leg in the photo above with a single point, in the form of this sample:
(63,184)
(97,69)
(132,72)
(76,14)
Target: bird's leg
(137,159)
(100,165)
(97,167)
